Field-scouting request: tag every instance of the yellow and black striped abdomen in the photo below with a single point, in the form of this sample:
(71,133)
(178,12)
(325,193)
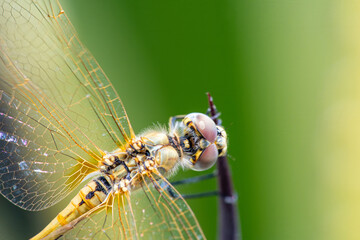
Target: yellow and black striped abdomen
(90,196)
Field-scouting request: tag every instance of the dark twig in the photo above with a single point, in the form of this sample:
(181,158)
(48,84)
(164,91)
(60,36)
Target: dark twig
(228,226)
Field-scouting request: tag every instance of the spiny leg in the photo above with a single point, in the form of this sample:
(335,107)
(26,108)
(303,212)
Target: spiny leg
(193,180)
(172,121)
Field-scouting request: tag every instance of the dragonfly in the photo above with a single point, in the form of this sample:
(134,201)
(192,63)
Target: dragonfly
(63,127)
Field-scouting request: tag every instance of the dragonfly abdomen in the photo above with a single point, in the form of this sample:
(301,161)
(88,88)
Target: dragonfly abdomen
(89,197)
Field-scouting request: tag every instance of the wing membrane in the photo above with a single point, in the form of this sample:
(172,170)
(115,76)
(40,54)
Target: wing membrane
(58,111)
(58,115)
(146,213)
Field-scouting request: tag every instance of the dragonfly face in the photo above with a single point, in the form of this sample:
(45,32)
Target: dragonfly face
(202,141)
(62,124)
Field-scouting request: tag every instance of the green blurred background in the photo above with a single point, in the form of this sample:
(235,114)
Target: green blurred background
(284,74)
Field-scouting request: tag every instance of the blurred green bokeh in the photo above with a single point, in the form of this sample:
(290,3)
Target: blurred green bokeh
(276,70)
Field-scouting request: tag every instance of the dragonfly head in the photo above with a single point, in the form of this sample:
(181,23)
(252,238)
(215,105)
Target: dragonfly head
(203,141)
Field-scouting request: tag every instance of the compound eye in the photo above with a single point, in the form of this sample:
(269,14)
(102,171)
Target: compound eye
(204,125)
(207,159)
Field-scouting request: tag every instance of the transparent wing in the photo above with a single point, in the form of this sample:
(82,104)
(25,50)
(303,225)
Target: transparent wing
(58,111)
(149,212)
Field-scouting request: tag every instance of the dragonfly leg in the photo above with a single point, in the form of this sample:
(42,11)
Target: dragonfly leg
(173,120)
(194,180)
(201,195)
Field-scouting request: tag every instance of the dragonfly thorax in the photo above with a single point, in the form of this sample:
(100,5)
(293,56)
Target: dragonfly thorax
(153,151)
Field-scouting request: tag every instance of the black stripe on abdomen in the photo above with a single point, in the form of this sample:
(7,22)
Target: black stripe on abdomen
(100,183)
(105,182)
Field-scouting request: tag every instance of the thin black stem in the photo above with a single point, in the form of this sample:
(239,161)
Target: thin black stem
(228,227)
